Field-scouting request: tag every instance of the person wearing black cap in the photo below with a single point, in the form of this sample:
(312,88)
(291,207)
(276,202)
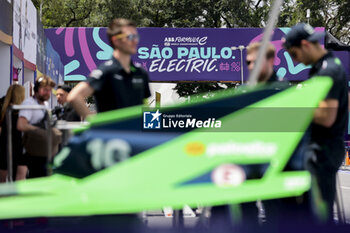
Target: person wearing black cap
(330,118)
(65,111)
(117,83)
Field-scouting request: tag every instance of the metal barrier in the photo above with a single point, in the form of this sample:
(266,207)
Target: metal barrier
(67,126)
(339,202)
(9,136)
(64,126)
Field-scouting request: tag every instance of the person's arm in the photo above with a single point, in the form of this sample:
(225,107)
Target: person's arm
(23,125)
(77,98)
(326,113)
(146,89)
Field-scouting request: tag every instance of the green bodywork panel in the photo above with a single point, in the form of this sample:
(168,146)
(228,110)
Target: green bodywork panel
(157,177)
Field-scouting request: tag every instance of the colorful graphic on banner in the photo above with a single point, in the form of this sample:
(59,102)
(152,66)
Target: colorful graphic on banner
(189,54)
(174,54)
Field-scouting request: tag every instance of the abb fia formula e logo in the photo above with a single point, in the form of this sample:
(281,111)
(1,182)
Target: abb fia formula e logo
(185,40)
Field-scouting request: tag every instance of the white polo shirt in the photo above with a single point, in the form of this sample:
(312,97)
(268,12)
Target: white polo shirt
(32,116)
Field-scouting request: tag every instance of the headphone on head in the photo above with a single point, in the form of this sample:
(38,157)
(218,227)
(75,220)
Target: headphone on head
(37,84)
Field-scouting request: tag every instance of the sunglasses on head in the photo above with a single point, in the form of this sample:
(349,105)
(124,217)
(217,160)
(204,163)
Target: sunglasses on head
(249,62)
(129,37)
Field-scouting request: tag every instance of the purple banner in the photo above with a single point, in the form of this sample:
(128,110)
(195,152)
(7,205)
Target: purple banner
(174,54)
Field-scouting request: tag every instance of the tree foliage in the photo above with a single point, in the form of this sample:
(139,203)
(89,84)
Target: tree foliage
(69,13)
(331,14)
(185,89)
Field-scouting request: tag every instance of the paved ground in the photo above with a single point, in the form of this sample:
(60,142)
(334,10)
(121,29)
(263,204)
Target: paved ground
(156,219)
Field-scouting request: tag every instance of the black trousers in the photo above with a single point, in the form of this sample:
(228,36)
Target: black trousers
(37,166)
(324,167)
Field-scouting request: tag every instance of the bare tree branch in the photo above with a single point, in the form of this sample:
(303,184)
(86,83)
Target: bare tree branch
(72,19)
(226,20)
